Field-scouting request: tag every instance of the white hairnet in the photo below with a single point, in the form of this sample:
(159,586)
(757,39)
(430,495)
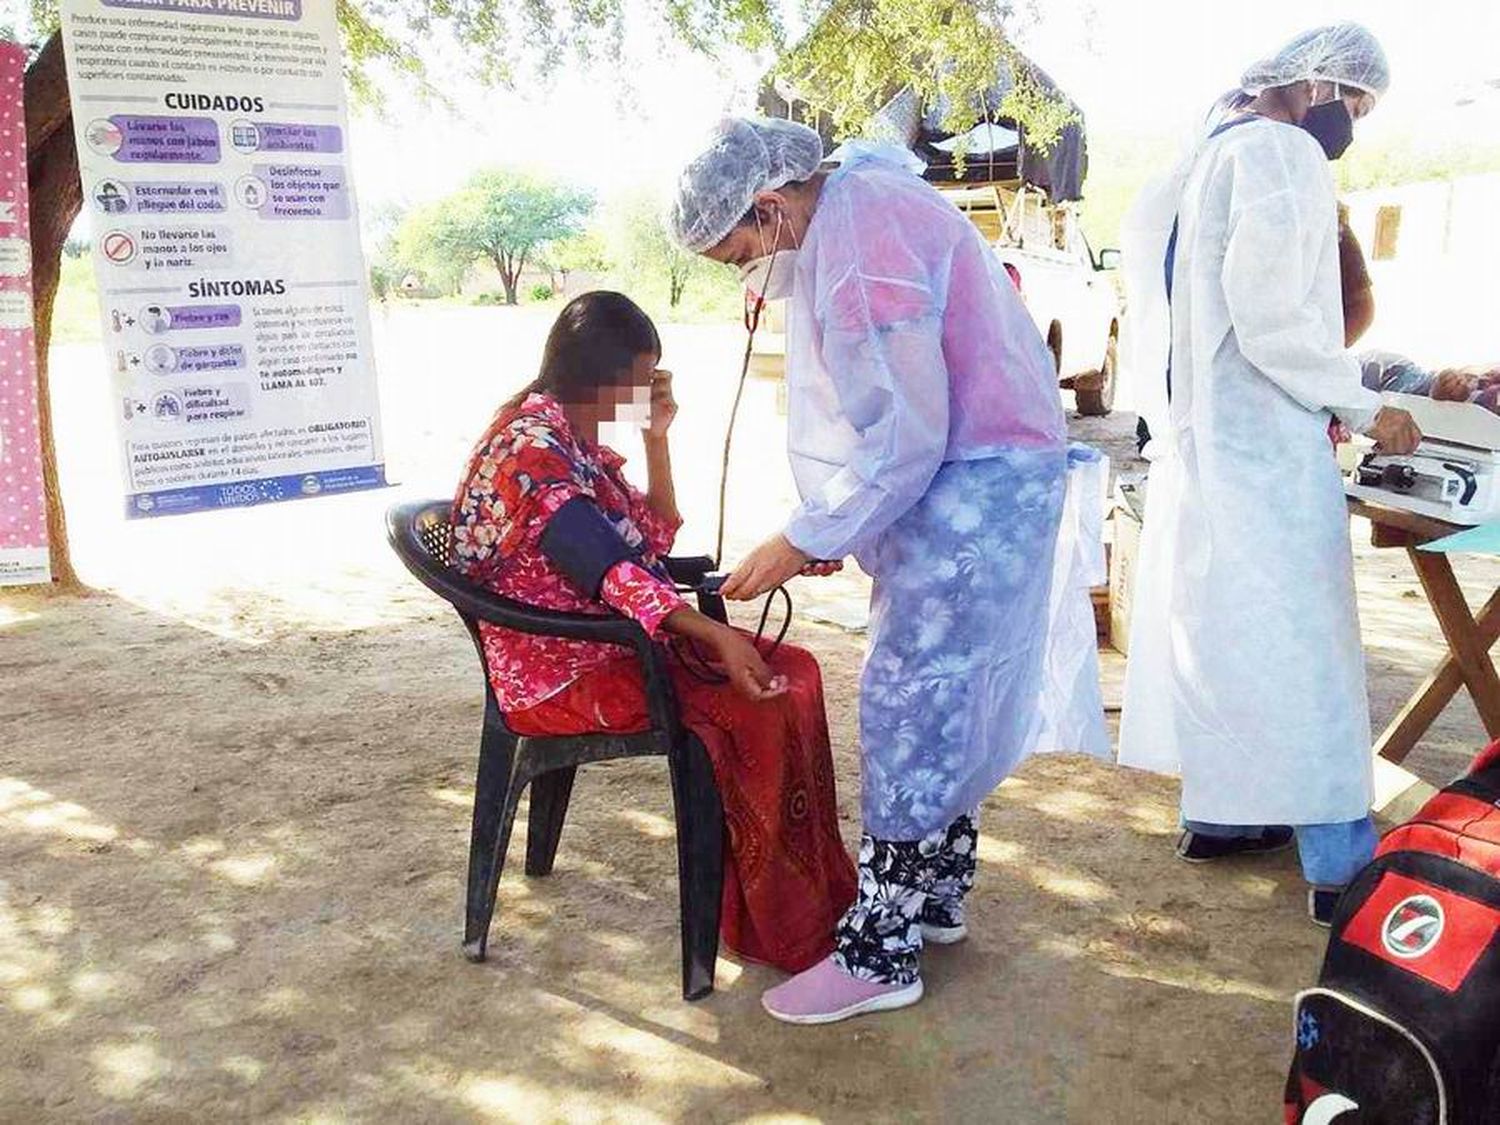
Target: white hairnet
(743,156)
(1340,52)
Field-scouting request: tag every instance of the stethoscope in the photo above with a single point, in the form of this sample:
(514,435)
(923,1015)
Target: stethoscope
(755,305)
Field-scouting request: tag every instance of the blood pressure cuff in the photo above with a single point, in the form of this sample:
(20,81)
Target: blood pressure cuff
(584,545)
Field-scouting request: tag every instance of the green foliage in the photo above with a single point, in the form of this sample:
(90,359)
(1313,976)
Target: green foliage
(750,25)
(383,281)
(379,224)
(75,316)
(858,53)
(500,217)
(585,252)
(504,41)
(1411,159)
(368,42)
(44,18)
(418,247)
(1119,166)
(713,297)
(862,52)
(540,292)
(643,251)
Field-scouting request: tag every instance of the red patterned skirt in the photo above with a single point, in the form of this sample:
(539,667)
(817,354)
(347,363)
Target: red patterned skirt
(787,877)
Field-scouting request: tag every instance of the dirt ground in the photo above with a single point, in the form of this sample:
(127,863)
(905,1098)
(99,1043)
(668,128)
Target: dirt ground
(234,801)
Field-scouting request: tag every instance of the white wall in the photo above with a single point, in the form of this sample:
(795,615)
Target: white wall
(1438,299)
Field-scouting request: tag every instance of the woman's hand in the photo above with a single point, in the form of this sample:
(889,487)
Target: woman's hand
(770,565)
(821,568)
(747,670)
(734,654)
(663,405)
(1394,432)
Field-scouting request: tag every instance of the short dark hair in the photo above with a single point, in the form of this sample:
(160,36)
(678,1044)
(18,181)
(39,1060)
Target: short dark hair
(748,218)
(593,343)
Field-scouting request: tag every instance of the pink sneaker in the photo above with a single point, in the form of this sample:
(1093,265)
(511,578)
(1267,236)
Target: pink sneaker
(827,994)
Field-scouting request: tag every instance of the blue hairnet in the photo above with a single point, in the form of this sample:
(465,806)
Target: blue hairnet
(744,155)
(1345,53)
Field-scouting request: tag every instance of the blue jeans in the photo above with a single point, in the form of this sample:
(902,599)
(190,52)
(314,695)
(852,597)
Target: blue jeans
(1331,854)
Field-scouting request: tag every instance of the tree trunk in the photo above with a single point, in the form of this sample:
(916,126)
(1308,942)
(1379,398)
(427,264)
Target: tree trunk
(509,272)
(56,196)
(510,267)
(518,267)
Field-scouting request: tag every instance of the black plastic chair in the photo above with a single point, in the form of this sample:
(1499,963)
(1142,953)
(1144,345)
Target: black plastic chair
(421,534)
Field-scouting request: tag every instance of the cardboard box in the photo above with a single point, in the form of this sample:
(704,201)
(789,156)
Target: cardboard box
(1099,596)
(1123,558)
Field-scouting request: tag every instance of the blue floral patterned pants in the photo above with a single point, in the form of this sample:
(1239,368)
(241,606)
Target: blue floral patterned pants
(949,696)
(904,884)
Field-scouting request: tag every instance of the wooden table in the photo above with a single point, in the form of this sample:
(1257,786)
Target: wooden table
(1469,640)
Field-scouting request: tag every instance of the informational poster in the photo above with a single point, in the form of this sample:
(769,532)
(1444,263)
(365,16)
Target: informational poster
(213,142)
(23,510)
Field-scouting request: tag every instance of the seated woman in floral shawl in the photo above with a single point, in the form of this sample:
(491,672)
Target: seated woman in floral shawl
(545,516)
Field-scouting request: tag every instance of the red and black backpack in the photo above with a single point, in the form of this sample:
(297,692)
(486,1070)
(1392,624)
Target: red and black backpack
(1404,1025)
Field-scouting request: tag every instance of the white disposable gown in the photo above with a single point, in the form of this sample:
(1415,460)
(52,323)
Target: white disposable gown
(1246,669)
(927,438)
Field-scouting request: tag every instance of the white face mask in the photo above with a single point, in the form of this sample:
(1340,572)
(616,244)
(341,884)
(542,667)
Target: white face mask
(772,276)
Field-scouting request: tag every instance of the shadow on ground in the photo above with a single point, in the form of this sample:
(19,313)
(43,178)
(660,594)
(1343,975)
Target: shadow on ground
(232,880)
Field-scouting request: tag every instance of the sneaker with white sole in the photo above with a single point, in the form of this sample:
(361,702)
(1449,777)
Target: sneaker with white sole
(944,935)
(1321,904)
(943,924)
(825,993)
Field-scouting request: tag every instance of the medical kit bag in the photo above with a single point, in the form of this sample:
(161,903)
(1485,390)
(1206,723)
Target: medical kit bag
(1404,1025)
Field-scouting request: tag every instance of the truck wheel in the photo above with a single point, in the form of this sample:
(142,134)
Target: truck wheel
(1098,400)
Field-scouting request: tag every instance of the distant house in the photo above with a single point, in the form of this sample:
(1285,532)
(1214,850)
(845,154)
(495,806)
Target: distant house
(1429,222)
(1432,248)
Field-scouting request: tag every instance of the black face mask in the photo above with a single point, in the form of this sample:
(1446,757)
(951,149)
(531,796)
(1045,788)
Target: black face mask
(1332,126)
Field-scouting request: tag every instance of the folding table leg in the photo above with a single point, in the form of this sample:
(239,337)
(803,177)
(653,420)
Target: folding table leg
(1428,702)
(1465,639)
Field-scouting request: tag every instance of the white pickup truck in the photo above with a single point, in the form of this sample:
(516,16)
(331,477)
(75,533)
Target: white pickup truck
(1071,295)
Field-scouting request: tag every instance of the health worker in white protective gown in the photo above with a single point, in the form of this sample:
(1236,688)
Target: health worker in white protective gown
(1246,670)
(927,439)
